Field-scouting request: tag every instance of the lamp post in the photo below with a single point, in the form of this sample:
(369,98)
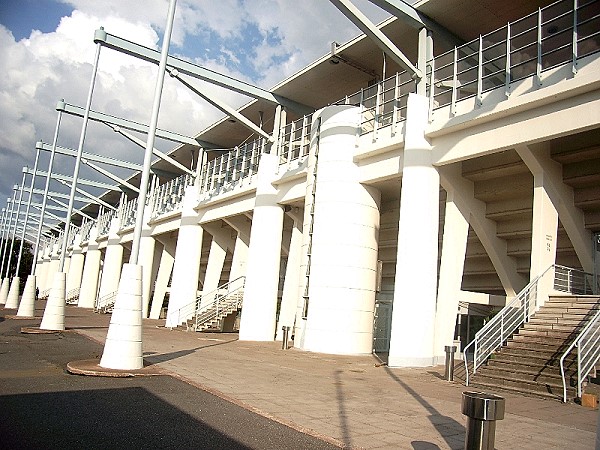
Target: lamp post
(123,347)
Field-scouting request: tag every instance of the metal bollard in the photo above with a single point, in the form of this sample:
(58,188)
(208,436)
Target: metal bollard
(449,374)
(482,411)
(284,344)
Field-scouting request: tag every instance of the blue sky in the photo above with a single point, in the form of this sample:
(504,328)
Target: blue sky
(47,50)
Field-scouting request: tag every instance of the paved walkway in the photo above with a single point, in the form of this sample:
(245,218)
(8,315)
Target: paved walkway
(354,401)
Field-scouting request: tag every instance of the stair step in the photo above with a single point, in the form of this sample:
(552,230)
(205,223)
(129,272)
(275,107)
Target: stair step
(530,371)
(491,386)
(539,347)
(553,326)
(562,334)
(552,388)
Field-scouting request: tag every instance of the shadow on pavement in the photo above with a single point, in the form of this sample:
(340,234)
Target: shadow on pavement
(122,418)
(448,428)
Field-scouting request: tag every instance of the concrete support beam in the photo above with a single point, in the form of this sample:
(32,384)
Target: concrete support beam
(113,262)
(91,272)
(165,268)
(221,243)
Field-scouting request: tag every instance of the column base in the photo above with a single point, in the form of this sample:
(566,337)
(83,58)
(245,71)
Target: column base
(27,305)
(54,314)
(123,347)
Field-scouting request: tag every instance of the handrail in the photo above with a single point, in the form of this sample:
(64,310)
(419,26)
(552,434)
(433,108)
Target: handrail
(503,325)
(105,301)
(207,311)
(588,353)
(73,293)
(185,311)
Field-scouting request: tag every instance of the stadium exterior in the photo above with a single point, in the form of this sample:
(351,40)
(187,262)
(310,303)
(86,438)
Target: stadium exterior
(385,204)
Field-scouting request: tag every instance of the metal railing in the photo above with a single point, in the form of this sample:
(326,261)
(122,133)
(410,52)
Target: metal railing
(588,353)
(104,222)
(86,229)
(294,140)
(169,196)
(104,303)
(128,213)
(72,296)
(382,104)
(493,335)
(575,281)
(186,312)
(558,34)
(236,164)
(227,298)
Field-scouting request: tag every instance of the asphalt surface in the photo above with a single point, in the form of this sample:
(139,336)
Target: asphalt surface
(42,406)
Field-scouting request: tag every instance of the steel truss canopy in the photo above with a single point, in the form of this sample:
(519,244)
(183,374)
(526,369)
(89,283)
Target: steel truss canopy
(89,156)
(381,40)
(119,124)
(187,68)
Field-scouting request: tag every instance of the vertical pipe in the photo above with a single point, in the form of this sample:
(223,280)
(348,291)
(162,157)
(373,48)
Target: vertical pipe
(135,246)
(507,66)
(45,198)
(12,243)
(575,37)
(26,220)
(480,72)
(5,253)
(86,115)
(454,81)
(538,69)
(7,250)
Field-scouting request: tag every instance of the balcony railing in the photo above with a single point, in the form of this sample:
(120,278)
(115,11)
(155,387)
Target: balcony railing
(104,222)
(236,164)
(294,140)
(561,33)
(169,196)
(128,213)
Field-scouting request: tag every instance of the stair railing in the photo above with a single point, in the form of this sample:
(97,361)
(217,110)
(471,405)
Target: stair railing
(588,353)
(105,302)
(503,325)
(177,317)
(211,310)
(72,296)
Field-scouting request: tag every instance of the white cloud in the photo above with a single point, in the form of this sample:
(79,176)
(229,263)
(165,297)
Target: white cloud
(45,67)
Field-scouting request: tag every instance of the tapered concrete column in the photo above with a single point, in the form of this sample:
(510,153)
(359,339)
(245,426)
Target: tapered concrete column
(264,256)
(123,346)
(76,265)
(241,225)
(113,262)
(415,287)
(41,268)
(167,258)
(454,249)
(53,266)
(147,246)
(184,284)
(221,242)
(54,314)
(12,301)
(91,272)
(4,290)
(289,300)
(27,305)
(343,248)
(67,265)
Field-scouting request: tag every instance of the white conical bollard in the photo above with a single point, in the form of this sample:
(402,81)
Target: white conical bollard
(12,301)
(4,291)
(27,305)
(54,314)
(123,347)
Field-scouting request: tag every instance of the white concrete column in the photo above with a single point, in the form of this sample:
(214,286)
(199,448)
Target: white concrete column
(91,272)
(4,290)
(27,305)
(415,287)
(220,243)
(41,268)
(146,260)
(264,256)
(53,266)
(167,258)
(454,250)
(54,313)
(76,266)
(186,268)
(113,261)
(241,225)
(345,231)
(291,285)
(12,300)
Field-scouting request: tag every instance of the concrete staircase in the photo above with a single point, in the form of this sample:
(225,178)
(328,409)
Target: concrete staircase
(529,362)
(211,317)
